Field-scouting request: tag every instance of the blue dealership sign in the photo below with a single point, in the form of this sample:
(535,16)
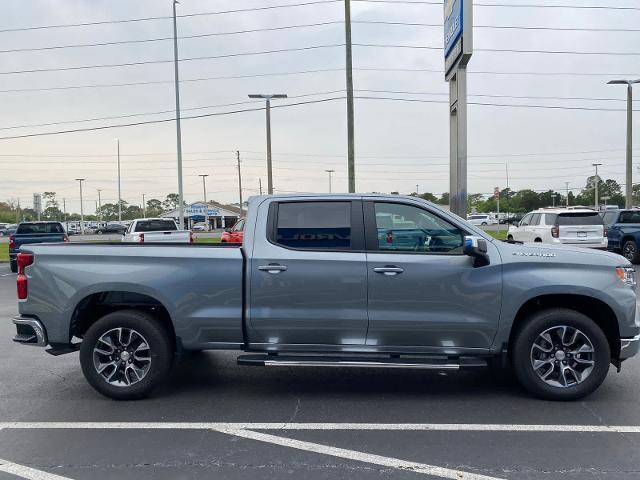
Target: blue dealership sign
(453,24)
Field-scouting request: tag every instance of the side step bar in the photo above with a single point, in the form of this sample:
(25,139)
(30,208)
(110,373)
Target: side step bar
(362,362)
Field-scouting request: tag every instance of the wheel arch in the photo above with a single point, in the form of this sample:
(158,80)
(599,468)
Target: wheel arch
(594,308)
(98,304)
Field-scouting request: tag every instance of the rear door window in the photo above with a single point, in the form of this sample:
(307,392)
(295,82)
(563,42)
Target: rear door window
(580,218)
(39,228)
(629,217)
(155,226)
(314,225)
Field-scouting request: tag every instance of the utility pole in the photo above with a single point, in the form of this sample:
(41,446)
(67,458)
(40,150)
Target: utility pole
(239,181)
(629,168)
(597,182)
(64,209)
(204,196)
(351,148)
(329,172)
(268,98)
(178,130)
(99,206)
(18,212)
(144,207)
(80,180)
(260,185)
(567,184)
(506,166)
(119,191)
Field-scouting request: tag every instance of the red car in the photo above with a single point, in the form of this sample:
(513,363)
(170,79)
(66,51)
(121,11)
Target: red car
(234,234)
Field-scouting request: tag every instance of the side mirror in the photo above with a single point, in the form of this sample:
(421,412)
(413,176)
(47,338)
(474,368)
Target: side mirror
(476,247)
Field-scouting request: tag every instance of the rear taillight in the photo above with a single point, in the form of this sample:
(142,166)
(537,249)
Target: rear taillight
(606,232)
(12,242)
(141,238)
(555,232)
(65,238)
(190,236)
(23,260)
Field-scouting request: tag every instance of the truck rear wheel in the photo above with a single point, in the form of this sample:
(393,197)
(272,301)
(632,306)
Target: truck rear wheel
(560,354)
(13,265)
(126,355)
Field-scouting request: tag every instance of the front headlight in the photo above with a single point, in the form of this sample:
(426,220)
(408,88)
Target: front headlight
(627,275)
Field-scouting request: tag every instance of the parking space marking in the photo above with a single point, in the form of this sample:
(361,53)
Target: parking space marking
(443,427)
(395,463)
(27,472)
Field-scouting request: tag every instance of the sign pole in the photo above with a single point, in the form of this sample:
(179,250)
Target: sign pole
(458,48)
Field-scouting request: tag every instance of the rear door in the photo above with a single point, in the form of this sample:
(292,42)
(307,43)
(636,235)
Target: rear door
(423,291)
(581,228)
(308,280)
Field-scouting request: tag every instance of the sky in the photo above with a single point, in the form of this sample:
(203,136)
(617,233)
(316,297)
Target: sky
(401,144)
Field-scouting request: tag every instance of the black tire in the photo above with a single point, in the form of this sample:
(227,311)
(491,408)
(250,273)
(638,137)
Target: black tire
(538,323)
(630,251)
(510,238)
(538,240)
(161,354)
(13,265)
(484,224)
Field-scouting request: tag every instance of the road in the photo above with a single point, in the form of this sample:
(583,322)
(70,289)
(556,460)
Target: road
(236,422)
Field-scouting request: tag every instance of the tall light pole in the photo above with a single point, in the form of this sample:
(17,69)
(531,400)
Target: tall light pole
(329,172)
(268,98)
(144,207)
(204,196)
(80,180)
(351,149)
(567,185)
(119,190)
(597,182)
(239,181)
(178,131)
(99,206)
(629,169)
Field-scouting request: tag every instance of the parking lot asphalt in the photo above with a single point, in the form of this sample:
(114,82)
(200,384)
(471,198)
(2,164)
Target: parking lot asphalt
(219,420)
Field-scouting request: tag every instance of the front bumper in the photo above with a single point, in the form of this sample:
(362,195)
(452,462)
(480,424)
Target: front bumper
(629,347)
(30,331)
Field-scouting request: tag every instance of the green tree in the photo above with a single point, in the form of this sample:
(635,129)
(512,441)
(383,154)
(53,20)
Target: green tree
(154,208)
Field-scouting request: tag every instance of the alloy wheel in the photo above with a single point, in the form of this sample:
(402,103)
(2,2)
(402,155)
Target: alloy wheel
(122,357)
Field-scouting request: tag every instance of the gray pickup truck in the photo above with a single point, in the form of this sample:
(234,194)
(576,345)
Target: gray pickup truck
(335,281)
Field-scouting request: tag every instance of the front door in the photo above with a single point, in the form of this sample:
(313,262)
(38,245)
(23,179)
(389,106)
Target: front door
(308,282)
(423,291)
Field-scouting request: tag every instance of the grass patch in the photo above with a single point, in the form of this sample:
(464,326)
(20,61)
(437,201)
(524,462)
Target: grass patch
(207,240)
(499,234)
(4,252)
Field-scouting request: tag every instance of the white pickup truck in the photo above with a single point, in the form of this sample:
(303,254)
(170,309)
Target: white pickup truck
(156,230)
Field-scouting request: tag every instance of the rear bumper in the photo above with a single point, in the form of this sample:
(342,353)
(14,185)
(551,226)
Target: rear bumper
(30,331)
(629,347)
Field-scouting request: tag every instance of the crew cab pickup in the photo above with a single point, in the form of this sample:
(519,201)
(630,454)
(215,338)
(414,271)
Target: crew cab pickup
(34,232)
(335,280)
(156,230)
(624,232)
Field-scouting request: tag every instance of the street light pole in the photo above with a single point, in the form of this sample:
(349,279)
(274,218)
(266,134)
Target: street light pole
(329,172)
(144,207)
(351,155)
(178,130)
(597,182)
(99,206)
(119,191)
(204,196)
(239,181)
(268,98)
(567,185)
(80,180)
(629,168)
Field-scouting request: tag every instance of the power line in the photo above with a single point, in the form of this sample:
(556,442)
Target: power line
(503,5)
(148,62)
(147,19)
(510,50)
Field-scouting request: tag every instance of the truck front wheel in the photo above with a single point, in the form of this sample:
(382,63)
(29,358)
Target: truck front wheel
(126,355)
(560,354)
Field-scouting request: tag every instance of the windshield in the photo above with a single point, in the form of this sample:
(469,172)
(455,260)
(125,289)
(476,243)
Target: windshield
(155,226)
(579,218)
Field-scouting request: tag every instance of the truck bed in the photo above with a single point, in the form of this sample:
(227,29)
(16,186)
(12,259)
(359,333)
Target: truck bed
(200,286)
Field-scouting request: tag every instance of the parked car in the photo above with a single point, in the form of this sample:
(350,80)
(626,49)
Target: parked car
(34,232)
(234,234)
(511,219)
(3,228)
(156,230)
(111,227)
(199,227)
(623,228)
(561,226)
(481,219)
(314,284)
(10,230)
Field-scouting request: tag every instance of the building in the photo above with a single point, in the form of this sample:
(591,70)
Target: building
(220,216)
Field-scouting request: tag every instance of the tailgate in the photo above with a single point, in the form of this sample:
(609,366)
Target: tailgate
(175,236)
(19,240)
(582,233)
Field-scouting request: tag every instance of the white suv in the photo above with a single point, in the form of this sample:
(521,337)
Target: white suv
(481,219)
(561,226)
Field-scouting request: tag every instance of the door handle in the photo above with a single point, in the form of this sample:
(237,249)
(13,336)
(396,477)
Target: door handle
(389,270)
(273,269)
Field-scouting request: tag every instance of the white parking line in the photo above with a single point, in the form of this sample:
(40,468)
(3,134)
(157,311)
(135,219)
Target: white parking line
(27,472)
(396,463)
(443,427)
